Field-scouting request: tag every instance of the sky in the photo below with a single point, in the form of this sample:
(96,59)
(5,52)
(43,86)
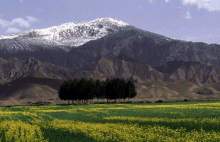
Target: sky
(190,20)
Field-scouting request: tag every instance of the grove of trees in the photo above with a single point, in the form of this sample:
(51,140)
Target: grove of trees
(84,90)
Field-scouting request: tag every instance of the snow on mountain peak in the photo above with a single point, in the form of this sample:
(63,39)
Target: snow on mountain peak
(112,20)
(73,27)
(78,33)
(71,33)
(8,37)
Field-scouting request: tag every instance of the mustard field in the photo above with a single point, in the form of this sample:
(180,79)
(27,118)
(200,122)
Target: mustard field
(165,122)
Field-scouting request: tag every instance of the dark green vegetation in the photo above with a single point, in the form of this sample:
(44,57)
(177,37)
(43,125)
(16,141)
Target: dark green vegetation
(84,90)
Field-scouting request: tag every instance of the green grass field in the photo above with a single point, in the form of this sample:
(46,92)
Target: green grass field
(172,121)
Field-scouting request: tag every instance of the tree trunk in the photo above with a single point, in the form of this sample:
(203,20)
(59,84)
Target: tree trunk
(107,100)
(72,102)
(68,101)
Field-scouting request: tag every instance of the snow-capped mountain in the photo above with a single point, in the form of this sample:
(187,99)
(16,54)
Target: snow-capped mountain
(75,44)
(67,34)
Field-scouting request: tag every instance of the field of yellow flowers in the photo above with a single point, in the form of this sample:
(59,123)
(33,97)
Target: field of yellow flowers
(182,121)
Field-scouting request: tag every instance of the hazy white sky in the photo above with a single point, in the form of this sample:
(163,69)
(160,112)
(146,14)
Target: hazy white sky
(191,20)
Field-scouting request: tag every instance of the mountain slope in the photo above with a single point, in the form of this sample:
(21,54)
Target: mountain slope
(22,75)
(192,71)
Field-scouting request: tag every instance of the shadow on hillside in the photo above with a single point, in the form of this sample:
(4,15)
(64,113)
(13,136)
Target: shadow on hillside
(26,82)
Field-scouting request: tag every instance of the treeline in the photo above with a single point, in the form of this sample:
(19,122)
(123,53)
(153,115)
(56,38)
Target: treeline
(84,90)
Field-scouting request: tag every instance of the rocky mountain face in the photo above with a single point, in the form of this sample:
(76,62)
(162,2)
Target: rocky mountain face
(142,48)
(107,48)
(191,71)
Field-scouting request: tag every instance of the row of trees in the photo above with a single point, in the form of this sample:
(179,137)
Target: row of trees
(85,90)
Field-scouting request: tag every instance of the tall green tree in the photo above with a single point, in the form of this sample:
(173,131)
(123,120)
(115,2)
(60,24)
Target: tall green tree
(130,91)
(110,90)
(91,89)
(120,87)
(63,91)
(69,82)
(117,88)
(103,88)
(73,90)
(123,89)
(98,89)
(128,86)
(81,86)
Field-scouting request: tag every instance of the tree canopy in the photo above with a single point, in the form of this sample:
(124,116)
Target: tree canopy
(89,89)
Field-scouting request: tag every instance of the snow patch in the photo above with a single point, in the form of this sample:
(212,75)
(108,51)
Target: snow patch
(8,36)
